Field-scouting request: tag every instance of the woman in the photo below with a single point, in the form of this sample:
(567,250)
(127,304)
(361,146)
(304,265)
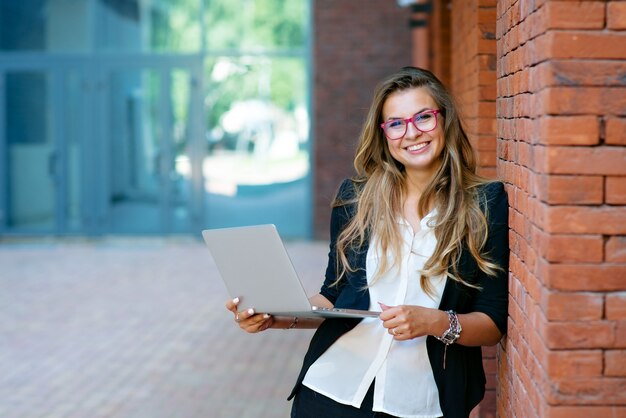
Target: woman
(420,236)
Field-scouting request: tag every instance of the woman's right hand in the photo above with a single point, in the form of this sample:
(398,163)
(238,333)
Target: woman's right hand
(248,320)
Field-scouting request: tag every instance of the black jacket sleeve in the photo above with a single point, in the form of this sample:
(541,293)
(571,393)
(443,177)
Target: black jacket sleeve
(493,298)
(339,218)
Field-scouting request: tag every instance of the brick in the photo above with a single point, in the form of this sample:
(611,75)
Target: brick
(581,219)
(579,101)
(527,372)
(579,44)
(521,202)
(578,190)
(488,172)
(584,411)
(487,78)
(616,15)
(583,277)
(565,363)
(569,130)
(515,312)
(487,15)
(561,306)
(615,362)
(490,352)
(485,143)
(524,151)
(586,391)
(487,126)
(487,159)
(615,249)
(616,306)
(487,109)
(486,46)
(487,62)
(579,15)
(620,335)
(616,190)
(577,73)
(577,335)
(602,160)
(615,131)
(573,248)
(490,364)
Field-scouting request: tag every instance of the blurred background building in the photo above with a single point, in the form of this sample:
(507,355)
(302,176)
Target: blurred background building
(154,117)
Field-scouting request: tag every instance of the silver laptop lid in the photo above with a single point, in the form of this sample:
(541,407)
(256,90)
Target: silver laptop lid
(255,267)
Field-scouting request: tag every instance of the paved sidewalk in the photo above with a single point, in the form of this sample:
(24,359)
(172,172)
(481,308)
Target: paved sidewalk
(137,329)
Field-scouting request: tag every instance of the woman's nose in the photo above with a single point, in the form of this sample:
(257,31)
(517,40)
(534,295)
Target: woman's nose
(412,131)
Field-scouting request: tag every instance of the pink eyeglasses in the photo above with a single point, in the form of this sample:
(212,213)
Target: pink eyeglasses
(423,122)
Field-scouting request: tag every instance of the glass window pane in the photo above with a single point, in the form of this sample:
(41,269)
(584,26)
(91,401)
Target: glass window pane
(257,166)
(32,160)
(136,151)
(250,24)
(45,25)
(22,25)
(101,25)
(148,26)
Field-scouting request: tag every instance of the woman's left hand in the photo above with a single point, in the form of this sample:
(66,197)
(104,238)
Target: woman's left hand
(406,322)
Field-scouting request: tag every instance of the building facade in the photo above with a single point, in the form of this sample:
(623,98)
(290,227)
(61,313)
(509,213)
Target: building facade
(154,117)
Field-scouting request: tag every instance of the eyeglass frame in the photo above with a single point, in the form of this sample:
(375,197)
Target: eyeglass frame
(406,121)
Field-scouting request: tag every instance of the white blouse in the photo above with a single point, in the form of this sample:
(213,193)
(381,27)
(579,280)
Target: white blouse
(405,386)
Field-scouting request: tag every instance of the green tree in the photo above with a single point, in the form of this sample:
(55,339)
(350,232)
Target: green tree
(260,28)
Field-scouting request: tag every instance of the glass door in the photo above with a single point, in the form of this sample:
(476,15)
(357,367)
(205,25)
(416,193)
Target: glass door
(30,170)
(148,125)
(45,122)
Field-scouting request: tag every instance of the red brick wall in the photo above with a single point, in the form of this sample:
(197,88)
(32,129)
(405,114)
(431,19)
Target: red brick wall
(473,79)
(356,44)
(473,82)
(440,40)
(561,149)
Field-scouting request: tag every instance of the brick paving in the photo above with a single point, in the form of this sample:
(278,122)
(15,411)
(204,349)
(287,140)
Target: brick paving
(137,329)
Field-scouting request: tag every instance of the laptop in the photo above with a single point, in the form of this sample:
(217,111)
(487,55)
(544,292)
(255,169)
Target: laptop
(256,268)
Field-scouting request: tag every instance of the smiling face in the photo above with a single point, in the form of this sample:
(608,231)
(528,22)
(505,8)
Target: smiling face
(419,152)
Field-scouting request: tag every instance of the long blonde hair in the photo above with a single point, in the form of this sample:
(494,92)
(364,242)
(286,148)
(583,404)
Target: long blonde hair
(379,191)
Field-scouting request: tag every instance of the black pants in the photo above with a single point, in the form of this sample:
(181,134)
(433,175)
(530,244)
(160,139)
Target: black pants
(310,404)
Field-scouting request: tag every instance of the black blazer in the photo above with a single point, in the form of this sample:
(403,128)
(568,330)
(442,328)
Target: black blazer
(461,384)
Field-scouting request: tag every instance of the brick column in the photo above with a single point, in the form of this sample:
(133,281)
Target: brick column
(561,148)
(473,79)
(356,44)
(440,43)
(473,82)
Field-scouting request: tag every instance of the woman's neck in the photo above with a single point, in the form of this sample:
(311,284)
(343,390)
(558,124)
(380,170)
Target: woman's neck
(415,184)
(414,187)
